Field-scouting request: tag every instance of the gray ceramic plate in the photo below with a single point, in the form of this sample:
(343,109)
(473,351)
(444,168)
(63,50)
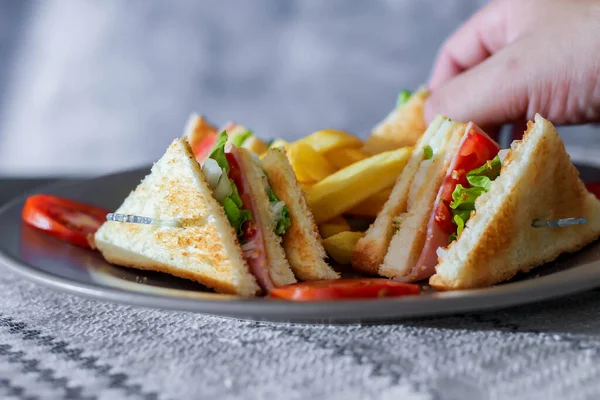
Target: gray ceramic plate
(47,261)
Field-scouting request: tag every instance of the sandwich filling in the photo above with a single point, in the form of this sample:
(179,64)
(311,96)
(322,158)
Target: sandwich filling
(226,179)
(469,175)
(240,136)
(203,137)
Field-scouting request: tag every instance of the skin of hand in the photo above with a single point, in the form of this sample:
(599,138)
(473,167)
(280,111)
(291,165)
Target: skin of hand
(515,58)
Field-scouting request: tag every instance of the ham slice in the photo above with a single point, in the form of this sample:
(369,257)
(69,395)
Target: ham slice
(436,236)
(254,248)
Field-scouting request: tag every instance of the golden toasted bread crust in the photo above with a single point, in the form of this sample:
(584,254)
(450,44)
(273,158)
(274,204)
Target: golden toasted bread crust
(205,249)
(302,242)
(371,249)
(220,286)
(538,181)
(407,243)
(368,255)
(402,127)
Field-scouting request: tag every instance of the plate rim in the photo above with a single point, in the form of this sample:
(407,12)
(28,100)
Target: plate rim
(577,279)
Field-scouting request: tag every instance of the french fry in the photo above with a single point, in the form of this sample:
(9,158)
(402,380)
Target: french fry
(371,206)
(328,139)
(340,246)
(333,227)
(348,187)
(308,164)
(342,157)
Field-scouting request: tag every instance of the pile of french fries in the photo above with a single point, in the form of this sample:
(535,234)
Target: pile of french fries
(342,181)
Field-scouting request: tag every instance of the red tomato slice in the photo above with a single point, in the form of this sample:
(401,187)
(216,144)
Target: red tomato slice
(443,217)
(358,288)
(202,148)
(476,149)
(67,220)
(594,188)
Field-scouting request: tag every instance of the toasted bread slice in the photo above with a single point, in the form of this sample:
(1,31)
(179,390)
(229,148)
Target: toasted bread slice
(402,127)
(370,250)
(302,242)
(408,241)
(279,268)
(196,129)
(205,249)
(537,181)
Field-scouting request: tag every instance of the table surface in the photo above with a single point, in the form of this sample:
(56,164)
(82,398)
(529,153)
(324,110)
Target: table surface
(54,345)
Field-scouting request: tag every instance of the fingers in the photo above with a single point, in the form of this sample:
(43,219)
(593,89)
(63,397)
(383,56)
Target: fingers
(482,35)
(489,94)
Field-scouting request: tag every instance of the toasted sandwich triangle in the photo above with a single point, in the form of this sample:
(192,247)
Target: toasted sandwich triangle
(302,242)
(403,126)
(205,249)
(370,250)
(538,181)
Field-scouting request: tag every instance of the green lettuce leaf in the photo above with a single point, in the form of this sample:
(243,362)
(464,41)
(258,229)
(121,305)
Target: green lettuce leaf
(403,97)
(238,140)
(236,216)
(460,219)
(283,222)
(463,199)
(218,152)
(233,204)
(491,169)
(272,196)
(428,152)
(482,182)
(235,196)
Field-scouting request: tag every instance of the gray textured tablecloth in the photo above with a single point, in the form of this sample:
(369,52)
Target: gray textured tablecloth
(55,346)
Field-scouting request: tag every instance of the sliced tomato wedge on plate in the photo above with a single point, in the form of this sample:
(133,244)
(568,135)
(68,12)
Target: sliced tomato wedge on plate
(67,220)
(344,289)
(594,188)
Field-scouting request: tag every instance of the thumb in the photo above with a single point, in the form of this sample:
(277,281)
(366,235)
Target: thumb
(490,94)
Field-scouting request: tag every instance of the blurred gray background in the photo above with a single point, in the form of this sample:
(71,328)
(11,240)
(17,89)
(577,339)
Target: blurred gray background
(93,86)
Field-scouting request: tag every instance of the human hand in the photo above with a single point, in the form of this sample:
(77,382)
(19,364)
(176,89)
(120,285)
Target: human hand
(514,58)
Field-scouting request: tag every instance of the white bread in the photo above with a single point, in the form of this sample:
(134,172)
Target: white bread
(537,180)
(302,242)
(402,127)
(372,248)
(279,268)
(408,241)
(205,249)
